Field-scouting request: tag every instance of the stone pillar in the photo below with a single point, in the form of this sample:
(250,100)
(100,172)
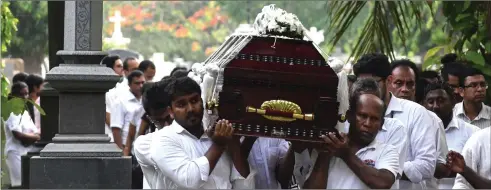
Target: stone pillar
(80,155)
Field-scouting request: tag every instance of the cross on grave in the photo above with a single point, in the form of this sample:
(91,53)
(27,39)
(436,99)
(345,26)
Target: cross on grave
(117,36)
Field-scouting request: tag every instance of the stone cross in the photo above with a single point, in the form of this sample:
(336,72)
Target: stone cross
(80,155)
(117,36)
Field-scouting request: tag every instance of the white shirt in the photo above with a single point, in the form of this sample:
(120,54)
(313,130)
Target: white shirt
(376,154)
(153,176)
(21,123)
(123,111)
(137,118)
(457,133)
(482,120)
(180,156)
(265,156)
(441,148)
(477,156)
(422,155)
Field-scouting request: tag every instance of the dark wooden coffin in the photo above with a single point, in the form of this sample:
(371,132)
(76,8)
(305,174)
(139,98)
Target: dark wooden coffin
(267,84)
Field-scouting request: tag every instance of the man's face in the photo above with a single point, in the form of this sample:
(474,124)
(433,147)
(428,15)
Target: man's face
(149,74)
(453,81)
(24,93)
(132,65)
(474,89)
(38,89)
(136,85)
(380,81)
(162,116)
(187,110)
(118,67)
(402,83)
(440,102)
(368,119)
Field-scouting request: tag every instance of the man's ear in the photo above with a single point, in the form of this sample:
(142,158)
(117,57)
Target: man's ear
(389,79)
(461,91)
(171,113)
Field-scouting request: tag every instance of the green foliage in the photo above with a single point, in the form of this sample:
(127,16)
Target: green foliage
(8,25)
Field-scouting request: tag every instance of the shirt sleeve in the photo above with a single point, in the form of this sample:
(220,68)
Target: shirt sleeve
(239,182)
(399,139)
(442,147)
(117,115)
(423,142)
(472,158)
(172,161)
(108,101)
(389,160)
(13,123)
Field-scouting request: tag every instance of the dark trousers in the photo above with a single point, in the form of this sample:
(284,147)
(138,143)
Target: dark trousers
(136,174)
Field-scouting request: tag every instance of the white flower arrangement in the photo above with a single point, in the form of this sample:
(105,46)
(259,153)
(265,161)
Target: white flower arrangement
(276,21)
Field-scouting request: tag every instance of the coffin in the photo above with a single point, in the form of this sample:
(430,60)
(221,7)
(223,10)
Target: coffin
(273,87)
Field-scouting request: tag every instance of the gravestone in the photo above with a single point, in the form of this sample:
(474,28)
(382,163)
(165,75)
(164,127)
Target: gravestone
(80,155)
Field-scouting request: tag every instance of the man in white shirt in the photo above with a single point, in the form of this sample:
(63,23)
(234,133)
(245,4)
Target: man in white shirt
(189,157)
(473,168)
(20,134)
(265,155)
(473,89)
(113,62)
(439,99)
(356,160)
(422,130)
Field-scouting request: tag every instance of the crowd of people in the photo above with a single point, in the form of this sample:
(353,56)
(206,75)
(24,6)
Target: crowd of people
(405,129)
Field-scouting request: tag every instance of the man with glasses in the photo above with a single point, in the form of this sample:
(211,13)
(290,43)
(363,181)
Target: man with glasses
(473,90)
(451,73)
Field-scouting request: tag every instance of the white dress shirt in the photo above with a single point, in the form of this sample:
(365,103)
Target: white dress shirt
(441,148)
(111,98)
(422,155)
(376,154)
(457,133)
(482,120)
(122,113)
(137,119)
(477,155)
(180,156)
(152,176)
(265,156)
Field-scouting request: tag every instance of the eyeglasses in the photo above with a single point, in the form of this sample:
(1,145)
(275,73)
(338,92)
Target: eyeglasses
(477,84)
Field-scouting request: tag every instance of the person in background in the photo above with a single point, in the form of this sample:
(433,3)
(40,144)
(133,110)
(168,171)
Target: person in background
(472,109)
(356,160)
(422,130)
(439,99)
(155,102)
(148,69)
(473,167)
(19,77)
(113,62)
(402,81)
(129,65)
(351,80)
(181,71)
(190,157)
(430,76)
(35,85)
(451,72)
(20,134)
(420,90)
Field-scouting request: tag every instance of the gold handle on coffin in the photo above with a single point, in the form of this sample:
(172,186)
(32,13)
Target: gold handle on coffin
(280,110)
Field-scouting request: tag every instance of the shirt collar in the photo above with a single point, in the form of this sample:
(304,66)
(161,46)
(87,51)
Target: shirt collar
(394,105)
(484,113)
(129,96)
(180,130)
(454,123)
(372,146)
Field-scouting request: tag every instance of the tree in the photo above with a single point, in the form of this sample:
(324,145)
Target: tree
(30,42)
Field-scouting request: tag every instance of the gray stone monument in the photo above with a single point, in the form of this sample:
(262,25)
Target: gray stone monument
(80,155)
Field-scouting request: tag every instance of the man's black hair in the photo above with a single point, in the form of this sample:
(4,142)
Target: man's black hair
(366,86)
(449,58)
(156,96)
(430,75)
(145,64)
(440,85)
(182,86)
(110,60)
(376,64)
(468,71)
(352,78)
(34,80)
(452,68)
(406,63)
(20,77)
(133,74)
(421,84)
(17,88)
(180,71)
(125,62)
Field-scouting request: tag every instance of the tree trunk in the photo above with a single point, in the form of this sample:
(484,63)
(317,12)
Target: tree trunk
(32,64)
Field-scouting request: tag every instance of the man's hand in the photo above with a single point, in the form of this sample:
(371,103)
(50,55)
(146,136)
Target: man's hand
(455,162)
(222,133)
(338,147)
(126,151)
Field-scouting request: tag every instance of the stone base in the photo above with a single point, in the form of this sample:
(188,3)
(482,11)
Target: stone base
(80,172)
(81,150)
